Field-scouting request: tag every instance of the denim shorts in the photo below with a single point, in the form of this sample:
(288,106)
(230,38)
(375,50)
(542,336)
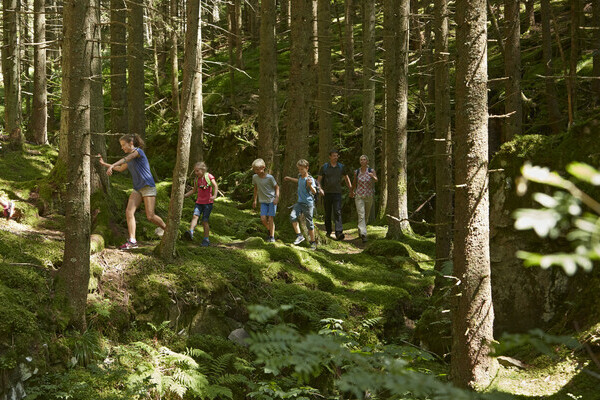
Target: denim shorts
(203,210)
(147,191)
(307,210)
(268,209)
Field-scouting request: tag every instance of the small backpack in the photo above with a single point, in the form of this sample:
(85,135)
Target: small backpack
(208,182)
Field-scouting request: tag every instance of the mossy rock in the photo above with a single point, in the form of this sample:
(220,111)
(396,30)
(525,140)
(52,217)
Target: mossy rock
(387,248)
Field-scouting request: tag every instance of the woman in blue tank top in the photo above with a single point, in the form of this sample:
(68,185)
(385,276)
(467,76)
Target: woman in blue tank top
(144,188)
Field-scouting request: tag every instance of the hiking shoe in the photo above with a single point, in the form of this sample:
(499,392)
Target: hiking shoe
(205,242)
(189,235)
(313,245)
(299,239)
(9,211)
(363,238)
(271,239)
(128,245)
(340,236)
(159,232)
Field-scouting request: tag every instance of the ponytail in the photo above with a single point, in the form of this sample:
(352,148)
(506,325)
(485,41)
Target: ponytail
(133,138)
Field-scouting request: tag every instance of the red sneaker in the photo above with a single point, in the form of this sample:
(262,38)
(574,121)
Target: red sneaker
(128,245)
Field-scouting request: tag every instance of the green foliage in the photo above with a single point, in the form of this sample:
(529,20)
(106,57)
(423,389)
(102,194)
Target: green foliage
(562,215)
(362,372)
(536,338)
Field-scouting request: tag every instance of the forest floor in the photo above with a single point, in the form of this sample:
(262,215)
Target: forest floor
(341,279)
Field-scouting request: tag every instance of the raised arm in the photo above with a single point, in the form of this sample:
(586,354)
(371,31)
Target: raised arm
(290,179)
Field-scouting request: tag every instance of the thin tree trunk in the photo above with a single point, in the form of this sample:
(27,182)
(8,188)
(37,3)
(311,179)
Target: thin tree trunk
(285,15)
(349,47)
(26,56)
(512,69)
(596,67)
(443,146)
(73,276)
(98,177)
(39,116)
(530,14)
(396,15)
(473,312)
(192,39)
(135,60)
(368,111)
(324,80)
(118,75)
(174,59)
(238,34)
(268,126)
(197,144)
(574,58)
(383,179)
(298,111)
(554,114)
(231,20)
(11,71)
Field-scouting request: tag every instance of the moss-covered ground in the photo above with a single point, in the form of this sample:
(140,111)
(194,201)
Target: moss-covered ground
(205,292)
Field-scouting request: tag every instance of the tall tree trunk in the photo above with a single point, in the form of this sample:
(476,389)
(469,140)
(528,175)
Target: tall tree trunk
(174,58)
(529,14)
(314,54)
(554,114)
(512,69)
(368,111)
(285,15)
(197,144)
(383,179)
(73,276)
(190,65)
(238,34)
(298,112)
(396,15)
(98,177)
(39,117)
(135,65)
(11,71)
(26,56)
(443,144)
(574,58)
(268,126)
(473,312)
(596,67)
(324,80)
(349,48)
(118,75)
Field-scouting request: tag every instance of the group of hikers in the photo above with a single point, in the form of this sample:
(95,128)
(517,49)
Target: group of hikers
(266,192)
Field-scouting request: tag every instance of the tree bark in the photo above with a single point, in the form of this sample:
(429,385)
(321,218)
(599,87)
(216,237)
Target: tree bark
(396,15)
(39,117)
(596,67)
(473,312)
(98,177)
(285,15)
(512,68)
(73,276)
(118,75)
(368,111)
(268,129)
(349,48)
(298,112)
(574,58)
(174,58)
(135,65)
(190,66)
(443,146)
(369,19)
(554,114)
(197,144)
(530,14)
(324,80)
(11,71)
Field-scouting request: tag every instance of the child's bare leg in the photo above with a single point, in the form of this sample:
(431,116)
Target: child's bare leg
(135,199)
(206,228)
(265,221)
(311,234)
(271,226)
(194,223)
(296,227)
(149,205)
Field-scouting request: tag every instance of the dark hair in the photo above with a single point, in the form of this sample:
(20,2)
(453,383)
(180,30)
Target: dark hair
(133,138)
(333,151)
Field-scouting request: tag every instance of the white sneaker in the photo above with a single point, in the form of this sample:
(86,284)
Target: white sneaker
(299,239)
(159,232)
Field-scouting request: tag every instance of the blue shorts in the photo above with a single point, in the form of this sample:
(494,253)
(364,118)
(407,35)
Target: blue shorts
(268,209)
(307,210)
(203,210)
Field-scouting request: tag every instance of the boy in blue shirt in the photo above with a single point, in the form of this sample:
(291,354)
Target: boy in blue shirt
(306,203)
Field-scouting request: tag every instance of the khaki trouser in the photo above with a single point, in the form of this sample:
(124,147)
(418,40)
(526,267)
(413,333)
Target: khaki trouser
(363,208)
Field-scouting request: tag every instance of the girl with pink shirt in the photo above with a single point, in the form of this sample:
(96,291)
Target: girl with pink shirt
(363,190)
(207,189)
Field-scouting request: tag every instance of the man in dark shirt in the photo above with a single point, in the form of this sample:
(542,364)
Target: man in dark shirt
(330,186)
